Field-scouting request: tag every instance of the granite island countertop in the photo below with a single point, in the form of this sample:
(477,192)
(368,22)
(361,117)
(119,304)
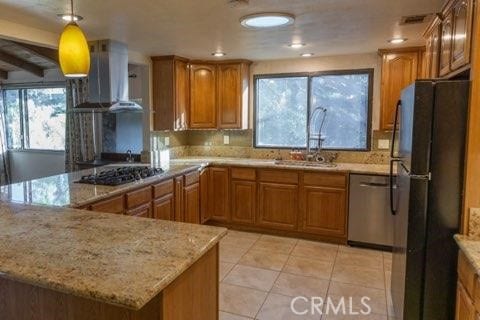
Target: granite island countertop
(63,191)
(358,168)
(470,246)
(116,259)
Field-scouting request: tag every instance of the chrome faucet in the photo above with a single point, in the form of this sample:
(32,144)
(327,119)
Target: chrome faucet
(316,156)
(129,156)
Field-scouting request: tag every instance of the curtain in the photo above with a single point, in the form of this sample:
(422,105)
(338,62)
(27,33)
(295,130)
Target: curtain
(4,164)
(79,144)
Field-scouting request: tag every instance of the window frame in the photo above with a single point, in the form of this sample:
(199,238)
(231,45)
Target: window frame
(24,111)
(310,75)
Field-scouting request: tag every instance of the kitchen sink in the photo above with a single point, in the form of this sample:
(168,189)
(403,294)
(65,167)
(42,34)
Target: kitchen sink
(298,163)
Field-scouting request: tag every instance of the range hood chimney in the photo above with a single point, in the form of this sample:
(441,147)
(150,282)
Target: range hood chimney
(108,79)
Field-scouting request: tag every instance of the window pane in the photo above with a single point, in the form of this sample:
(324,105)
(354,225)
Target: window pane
(46,118)
(282,112)
(346,99)
(12,119)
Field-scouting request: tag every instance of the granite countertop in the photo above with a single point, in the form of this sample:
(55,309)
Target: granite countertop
(63,191)
(470,246)
(360,168)
(115,259)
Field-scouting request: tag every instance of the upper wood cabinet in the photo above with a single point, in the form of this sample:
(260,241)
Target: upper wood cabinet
(232,89)
(462,16)
(432,52)
(203,98)
(171,90)
(446,45)
(400,68)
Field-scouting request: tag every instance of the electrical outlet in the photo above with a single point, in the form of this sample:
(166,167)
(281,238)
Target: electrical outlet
(226,139)
(383,144)
(167,141)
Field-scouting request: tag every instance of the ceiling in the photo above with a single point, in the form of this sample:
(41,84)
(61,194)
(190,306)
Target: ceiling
(196,28)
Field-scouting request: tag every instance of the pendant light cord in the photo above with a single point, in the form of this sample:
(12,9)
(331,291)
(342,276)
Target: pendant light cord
(71,7)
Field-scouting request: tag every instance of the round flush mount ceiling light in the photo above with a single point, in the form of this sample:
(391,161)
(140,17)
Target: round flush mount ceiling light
(297,45)
(307,55)
(267,20)
(219,54)
(69,17)
(397,40)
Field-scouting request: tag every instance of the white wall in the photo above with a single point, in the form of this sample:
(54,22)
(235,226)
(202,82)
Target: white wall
(28,165)
(340,62)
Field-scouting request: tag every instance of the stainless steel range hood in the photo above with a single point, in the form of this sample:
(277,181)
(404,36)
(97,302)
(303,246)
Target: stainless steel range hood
(108,79)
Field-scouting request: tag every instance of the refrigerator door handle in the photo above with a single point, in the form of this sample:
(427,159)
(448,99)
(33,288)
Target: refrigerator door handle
(395,125)
(392,186)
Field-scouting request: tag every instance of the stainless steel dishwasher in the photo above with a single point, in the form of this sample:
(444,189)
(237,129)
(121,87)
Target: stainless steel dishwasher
(369,219)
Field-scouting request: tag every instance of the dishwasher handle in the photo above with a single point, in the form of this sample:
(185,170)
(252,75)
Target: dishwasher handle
(374,185)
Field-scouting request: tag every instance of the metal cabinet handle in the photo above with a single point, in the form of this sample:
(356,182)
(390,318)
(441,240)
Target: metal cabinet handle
(374,185)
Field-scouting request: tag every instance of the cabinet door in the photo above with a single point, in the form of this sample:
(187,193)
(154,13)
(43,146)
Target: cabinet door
(277,206)
(244,194)
(219,194)
(144,211)
(229,91)
(462,28)
(192,203)
(434,52)
(324,211)
(205,213)
(398,71)
(182,93)
(179,210)
(203,104)
(112,205)
(464,309)
(164,208)
(446,45)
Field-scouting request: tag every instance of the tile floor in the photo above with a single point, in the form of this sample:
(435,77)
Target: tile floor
(260,274)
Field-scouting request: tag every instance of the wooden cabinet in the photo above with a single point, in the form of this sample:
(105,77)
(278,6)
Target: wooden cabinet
(192,203)
(203,98)
(400,68)
(462,22)
(170,90)
(204,196)
(446,45)
(277,206)
(465,309)
(112,205)
(244,205)
(144,211)
(164,208)
(219,192)
(468,290)
(232,91)
(432,53)
(179,205)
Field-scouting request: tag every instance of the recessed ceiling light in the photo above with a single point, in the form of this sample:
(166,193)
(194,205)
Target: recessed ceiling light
(296,45)
(397,40)
(219,54)
(267,20)
(307,55)
(69,17)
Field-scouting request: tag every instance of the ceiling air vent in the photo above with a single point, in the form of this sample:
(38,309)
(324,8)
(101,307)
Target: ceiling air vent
(416,19)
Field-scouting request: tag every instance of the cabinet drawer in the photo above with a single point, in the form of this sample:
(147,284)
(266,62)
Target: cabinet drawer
(333,180)
(139,197)
(144,211)
(278,176)
(162,189)
(466,274)
(192,177)
(112,205)
(244,174)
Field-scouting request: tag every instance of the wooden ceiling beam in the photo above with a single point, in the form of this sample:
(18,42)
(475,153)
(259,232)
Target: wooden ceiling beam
(22,64)
(3,74)
(46,53)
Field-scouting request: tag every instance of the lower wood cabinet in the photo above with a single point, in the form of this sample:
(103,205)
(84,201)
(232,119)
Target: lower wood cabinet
(192,203)
(465,309)
(244,204)
(205,213)
(468,290)
(144,211)
(164,208)
(112,205)
(219,192)
(179,207)
(277,206)
(323,211)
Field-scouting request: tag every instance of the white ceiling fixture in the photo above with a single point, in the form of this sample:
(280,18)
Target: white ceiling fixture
(297,45)
(219,54)
(267,20)
(307,55)
(397,40)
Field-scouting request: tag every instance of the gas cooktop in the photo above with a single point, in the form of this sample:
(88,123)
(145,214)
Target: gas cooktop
(120,176)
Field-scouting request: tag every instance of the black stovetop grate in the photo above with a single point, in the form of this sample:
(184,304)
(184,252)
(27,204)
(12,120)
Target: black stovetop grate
(119,176)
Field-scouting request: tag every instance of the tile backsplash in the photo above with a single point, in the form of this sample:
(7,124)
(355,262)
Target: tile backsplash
(210,143)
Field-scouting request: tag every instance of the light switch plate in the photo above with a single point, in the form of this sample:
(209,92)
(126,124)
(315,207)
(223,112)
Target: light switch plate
(383,144)
(167,141)
(226,139)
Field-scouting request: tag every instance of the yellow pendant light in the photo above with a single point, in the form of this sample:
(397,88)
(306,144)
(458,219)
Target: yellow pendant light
(73,51)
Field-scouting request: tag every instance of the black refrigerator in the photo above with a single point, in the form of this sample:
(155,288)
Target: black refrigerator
(426,201)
